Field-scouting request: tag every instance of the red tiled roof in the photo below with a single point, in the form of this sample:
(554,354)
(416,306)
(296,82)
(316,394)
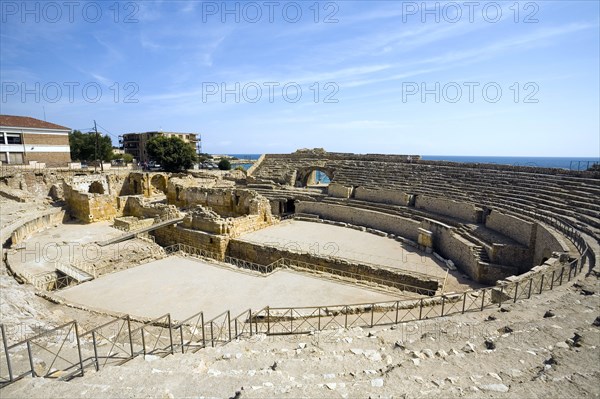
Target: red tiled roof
(25,121)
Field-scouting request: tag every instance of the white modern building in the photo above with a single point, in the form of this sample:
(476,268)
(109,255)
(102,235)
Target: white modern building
(24,140)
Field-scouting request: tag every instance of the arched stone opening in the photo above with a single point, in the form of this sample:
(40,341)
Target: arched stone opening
(314,176)
(159,183)
(96,188)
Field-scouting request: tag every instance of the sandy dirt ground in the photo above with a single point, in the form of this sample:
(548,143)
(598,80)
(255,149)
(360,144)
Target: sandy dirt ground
(185,286)
(327,240)
(356,246)
(69,243)
(547,346)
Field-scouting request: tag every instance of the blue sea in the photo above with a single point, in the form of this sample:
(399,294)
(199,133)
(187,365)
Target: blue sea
(572,163)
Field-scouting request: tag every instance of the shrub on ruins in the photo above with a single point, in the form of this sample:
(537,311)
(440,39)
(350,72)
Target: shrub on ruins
(224,164)
(89,147)
(171,153)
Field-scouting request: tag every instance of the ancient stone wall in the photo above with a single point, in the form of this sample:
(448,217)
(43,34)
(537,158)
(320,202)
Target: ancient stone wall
(130,223)
(512,255)
(547,242)
(146,183)
(226,202)
(36,182)
(97,182)
(339,191)
(511,226)
(176,234)
(492,273)
(265,255)
(138,207)
(90,208)
(362,217)
(444,206)
(384,196)
(452,246)
(24,230)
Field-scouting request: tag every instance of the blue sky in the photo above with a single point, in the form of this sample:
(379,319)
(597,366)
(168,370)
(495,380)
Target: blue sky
(497,78)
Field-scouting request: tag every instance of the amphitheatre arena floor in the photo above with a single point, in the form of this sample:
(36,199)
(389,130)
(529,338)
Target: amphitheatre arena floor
(354,245)
(184,286)
(68,243)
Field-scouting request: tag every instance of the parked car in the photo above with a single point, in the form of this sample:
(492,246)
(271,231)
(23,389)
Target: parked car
(153,166)
(207,165)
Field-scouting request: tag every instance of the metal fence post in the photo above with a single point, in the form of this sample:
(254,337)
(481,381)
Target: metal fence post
(372,314)
(30,358)
(501,295)
(250,319)
(181,338)
(229,324)
(143,340)
(530,287)
(79,348)
(482,299)
(443,304)
(397,308)
(212,337)
(562,271)
(203,334)
(268,320)
(130,336)
(552,281)
(516,291)
(95,351)
(5,344)
(541,284)
(319,318)
(464,302)
(346,318)
(170,333)
(420,309)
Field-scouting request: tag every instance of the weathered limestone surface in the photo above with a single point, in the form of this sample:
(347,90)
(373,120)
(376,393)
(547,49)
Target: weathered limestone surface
(22,229)
(90,208)
(265,255)
(547,241)
(362,217)
(137,206)
(384,196)
(129,223)
(177,234)
(447,207)
(511,226)
(145,183)
(339,191)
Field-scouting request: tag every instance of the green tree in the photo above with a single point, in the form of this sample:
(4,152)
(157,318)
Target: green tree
(127,158)
(224,164)
(83,146)
(172,153)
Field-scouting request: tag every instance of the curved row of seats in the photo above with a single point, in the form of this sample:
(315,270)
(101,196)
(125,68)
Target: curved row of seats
(572,196)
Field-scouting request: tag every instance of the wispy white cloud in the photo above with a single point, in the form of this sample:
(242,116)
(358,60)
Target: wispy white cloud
(102,79)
